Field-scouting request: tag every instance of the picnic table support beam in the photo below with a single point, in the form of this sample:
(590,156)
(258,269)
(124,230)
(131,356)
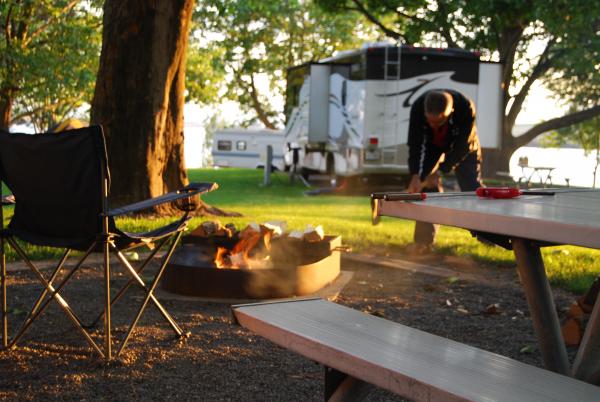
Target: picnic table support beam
(340,387)
(541,305)
(3,286)
(587,366)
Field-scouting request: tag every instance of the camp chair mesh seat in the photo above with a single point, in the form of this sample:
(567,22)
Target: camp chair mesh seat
(60,185)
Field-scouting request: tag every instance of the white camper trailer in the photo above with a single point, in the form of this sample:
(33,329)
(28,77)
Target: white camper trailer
(247,148)
(349,114)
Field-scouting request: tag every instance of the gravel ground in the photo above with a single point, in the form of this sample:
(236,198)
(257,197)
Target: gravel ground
(224,362)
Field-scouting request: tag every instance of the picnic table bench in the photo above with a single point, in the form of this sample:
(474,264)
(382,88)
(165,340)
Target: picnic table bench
(359,349)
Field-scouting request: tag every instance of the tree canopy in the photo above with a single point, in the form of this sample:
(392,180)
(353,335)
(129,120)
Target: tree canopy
(49,56)
(265,37)
(506,31)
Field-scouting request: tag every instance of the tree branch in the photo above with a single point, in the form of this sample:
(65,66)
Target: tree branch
(262,115)
(7,30)
(444,29)
(48,22)
(544,63)
(389,32)
(555,124)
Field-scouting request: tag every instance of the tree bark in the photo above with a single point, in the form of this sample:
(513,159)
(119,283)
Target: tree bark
(5,112)
(139,95)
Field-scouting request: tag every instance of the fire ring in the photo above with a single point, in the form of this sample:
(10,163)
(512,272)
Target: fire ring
(299,268)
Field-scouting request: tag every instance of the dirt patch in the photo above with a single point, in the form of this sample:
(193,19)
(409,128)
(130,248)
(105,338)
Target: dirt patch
(224,362)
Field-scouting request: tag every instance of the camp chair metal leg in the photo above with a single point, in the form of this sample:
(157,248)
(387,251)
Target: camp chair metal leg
(150,292)
(129,283)
(141,283)
(34,310)
(3,285)
(56,296)
(107,321)
(35,313)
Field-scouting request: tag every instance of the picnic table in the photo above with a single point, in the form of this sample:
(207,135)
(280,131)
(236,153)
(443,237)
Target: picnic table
(543,173)
(529,172)
(528,222)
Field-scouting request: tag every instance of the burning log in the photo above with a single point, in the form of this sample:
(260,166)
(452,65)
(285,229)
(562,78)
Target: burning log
(251,247)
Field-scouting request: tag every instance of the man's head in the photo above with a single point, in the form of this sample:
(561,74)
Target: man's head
(438,107)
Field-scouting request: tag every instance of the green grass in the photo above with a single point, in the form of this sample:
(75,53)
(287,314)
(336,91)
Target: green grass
(240,190)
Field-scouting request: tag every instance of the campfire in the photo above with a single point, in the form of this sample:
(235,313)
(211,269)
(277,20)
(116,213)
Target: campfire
(252,245)
(261,261)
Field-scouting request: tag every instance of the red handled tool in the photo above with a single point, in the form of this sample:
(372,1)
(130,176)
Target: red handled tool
(507,192)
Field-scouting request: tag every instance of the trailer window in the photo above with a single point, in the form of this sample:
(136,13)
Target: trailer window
(240,145)
(224,145)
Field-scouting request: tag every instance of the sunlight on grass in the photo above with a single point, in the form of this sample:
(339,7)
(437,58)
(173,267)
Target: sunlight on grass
(240,190)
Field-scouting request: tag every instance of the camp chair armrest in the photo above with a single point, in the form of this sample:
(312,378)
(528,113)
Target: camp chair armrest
(186,192)
(8,200)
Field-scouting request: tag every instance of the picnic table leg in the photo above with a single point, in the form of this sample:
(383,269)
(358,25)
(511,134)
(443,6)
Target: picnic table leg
(342,387)
(3,285)
(541,305)
(587,361)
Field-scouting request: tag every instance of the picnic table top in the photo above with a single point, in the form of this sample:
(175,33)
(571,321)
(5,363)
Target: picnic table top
(570,216)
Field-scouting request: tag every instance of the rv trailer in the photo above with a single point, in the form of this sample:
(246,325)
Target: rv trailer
(247,148)
(349,114)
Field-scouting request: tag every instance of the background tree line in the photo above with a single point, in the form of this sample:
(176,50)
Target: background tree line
(137,62)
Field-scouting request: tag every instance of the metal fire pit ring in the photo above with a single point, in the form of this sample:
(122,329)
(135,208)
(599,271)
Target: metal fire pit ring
(300,268)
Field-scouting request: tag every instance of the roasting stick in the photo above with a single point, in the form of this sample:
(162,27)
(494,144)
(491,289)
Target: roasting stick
(483,192)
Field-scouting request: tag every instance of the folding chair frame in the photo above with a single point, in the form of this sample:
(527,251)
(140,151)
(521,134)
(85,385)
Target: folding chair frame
(107,240)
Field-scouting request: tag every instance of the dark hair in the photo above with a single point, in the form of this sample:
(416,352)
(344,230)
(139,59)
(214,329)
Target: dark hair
(436,102)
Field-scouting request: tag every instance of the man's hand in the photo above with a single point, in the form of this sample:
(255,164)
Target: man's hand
(415,184)
(432,181)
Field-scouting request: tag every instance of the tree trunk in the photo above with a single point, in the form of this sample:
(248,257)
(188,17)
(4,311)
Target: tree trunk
(5,111)
(496,160)
(139,95)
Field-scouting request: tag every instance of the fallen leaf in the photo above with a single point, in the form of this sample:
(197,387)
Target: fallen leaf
(16,311)
(452,279)
(429,288)
(492,309)
(526,349)
(133,256)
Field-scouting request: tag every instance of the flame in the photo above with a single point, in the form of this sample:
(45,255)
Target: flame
(239,256)
(222,259)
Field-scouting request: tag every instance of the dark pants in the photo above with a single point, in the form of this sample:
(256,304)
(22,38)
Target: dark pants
(468,175)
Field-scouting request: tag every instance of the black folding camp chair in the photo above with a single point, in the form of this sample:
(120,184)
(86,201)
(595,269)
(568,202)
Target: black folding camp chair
(60,183)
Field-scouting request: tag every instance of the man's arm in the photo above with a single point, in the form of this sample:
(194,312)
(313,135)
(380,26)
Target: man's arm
(416,139)
(464,119)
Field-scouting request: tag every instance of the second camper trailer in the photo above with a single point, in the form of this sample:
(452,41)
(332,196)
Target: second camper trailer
(247,148)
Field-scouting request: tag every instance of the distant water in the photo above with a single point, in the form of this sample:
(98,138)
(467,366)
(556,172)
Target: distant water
(569,163)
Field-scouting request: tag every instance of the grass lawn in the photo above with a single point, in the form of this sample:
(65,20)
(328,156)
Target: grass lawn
(573,268)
